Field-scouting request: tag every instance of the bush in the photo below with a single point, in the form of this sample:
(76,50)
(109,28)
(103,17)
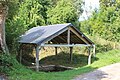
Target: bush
(7,63)
(103,48)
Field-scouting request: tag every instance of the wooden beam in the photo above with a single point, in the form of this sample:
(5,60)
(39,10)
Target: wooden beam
(37,57)
(63,45)
(77,34)
(68,36)
(55,50)
(71,51)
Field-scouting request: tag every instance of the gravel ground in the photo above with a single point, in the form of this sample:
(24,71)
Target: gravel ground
(111,72)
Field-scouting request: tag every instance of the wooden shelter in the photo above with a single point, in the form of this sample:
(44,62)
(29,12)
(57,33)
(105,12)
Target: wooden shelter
(57,35)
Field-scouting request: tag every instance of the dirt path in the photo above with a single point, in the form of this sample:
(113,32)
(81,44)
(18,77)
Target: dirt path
(111,72)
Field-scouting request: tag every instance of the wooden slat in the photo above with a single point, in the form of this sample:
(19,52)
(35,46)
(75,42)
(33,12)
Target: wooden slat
(76,40)
(62,38)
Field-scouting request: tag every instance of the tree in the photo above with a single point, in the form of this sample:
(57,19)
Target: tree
(78,6)
(45,5)
(3,13)
(105,22)
(27,15)
(64,12)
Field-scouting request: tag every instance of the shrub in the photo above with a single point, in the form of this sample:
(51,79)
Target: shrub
(7,63)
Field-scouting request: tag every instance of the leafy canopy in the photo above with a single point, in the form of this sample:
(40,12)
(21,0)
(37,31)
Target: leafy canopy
(105,22)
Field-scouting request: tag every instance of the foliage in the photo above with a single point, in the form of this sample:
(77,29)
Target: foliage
(103,45)
(103,48)
(105,22)
(78,6)
(13,6)
(28,15)
(45,5)
(7,63)
(63,12)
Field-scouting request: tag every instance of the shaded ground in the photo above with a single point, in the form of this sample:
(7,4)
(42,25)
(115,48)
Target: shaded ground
(61,62)
(78,60)
(111,72)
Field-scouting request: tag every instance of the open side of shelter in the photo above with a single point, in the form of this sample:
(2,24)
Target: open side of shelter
(57,35)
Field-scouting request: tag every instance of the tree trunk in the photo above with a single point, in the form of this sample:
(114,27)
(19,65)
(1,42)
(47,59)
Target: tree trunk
(3,13)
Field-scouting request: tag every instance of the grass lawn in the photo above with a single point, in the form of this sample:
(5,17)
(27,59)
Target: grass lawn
(102,59)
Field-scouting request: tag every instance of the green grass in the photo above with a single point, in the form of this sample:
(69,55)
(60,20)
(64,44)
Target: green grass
(102,59)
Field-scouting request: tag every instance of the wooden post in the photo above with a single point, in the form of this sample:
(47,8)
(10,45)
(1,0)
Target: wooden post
(55,50)
(89,56)
(71,50)
(68,37)
(37,58)
(94,51)
(20,55)
(68,41)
